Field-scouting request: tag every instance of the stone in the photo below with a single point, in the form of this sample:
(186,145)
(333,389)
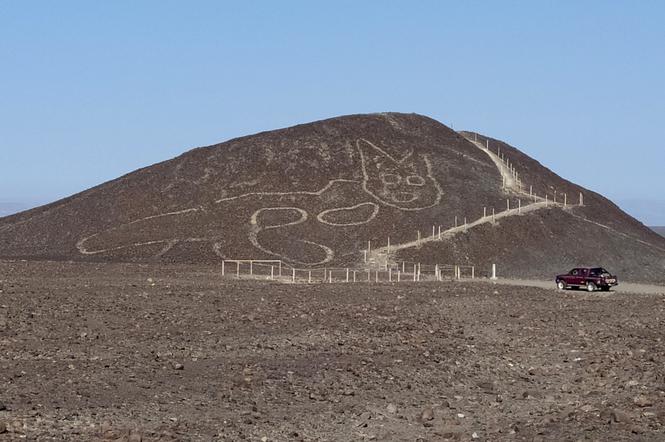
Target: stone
(642,401)
(134,436)
(427,414)
(392,408)
(452,432)
(178,366)
(621,416)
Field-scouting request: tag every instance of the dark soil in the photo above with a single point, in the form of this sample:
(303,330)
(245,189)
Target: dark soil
(131,352)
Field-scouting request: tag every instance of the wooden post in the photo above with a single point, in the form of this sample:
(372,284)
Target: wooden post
(455,220)
(222,268)
(403,266)
(414,273)
(473,272)
(565,200)
(465,223)
(251,267)
(238,269)
(309,277)
(507,204)
(493,215)
(354,276)
(433,231)
(555,195)
(388,245)
(369,275)
(365,256)
(369,247)
(581,199)
(439,232)
(390,274)
(399,274)
(519,205)
(376,276)
(347,274)
(546,201)
(436,271)
(330,277)
(418,235)
(493,271)
(293,275)
(272,272)
(484,212)
(418,271)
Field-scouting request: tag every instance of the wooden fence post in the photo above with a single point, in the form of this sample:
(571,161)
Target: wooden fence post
(238,269)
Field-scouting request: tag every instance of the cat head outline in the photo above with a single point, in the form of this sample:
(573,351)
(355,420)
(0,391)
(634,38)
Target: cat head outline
(406,183)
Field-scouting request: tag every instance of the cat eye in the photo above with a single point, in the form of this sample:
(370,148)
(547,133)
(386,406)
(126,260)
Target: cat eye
(391,178)
(415,180)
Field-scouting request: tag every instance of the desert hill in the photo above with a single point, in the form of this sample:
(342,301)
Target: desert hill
(316,194)
(659,230)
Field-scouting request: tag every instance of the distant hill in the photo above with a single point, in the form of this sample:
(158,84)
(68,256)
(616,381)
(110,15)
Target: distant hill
(314,195)
(659,230)
(10,208)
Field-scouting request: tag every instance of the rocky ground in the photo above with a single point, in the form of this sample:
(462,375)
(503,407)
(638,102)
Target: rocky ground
(139,352)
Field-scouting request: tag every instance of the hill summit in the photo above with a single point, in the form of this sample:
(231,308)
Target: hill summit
(327,193)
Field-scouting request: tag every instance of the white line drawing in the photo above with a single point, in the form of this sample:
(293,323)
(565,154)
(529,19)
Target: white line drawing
(405,184)
(401,184)
(256,229)
(169,243)
(297,192)
(321,216)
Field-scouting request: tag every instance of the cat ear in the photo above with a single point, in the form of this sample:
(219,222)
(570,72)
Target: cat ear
(372,154)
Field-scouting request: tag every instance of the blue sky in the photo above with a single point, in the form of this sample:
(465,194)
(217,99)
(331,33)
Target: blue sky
(93,90)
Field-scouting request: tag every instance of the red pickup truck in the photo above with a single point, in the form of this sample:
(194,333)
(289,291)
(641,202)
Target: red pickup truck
(592,279)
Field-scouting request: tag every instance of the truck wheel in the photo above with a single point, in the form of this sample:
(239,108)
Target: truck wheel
(591,287)
(561,285)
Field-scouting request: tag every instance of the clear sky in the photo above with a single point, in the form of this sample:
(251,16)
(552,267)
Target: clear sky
(90,90)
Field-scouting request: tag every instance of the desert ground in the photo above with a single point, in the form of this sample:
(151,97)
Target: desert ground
(176,353)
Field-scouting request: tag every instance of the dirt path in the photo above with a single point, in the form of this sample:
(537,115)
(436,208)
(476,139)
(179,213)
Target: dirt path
(381,256)
(623,287)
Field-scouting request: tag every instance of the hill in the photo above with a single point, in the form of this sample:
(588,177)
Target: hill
(659,230)
(316,194)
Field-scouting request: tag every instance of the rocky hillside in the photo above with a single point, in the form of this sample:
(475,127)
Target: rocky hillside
(317,194)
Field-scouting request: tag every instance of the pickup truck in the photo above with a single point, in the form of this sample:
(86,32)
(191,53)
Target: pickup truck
(591,278)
